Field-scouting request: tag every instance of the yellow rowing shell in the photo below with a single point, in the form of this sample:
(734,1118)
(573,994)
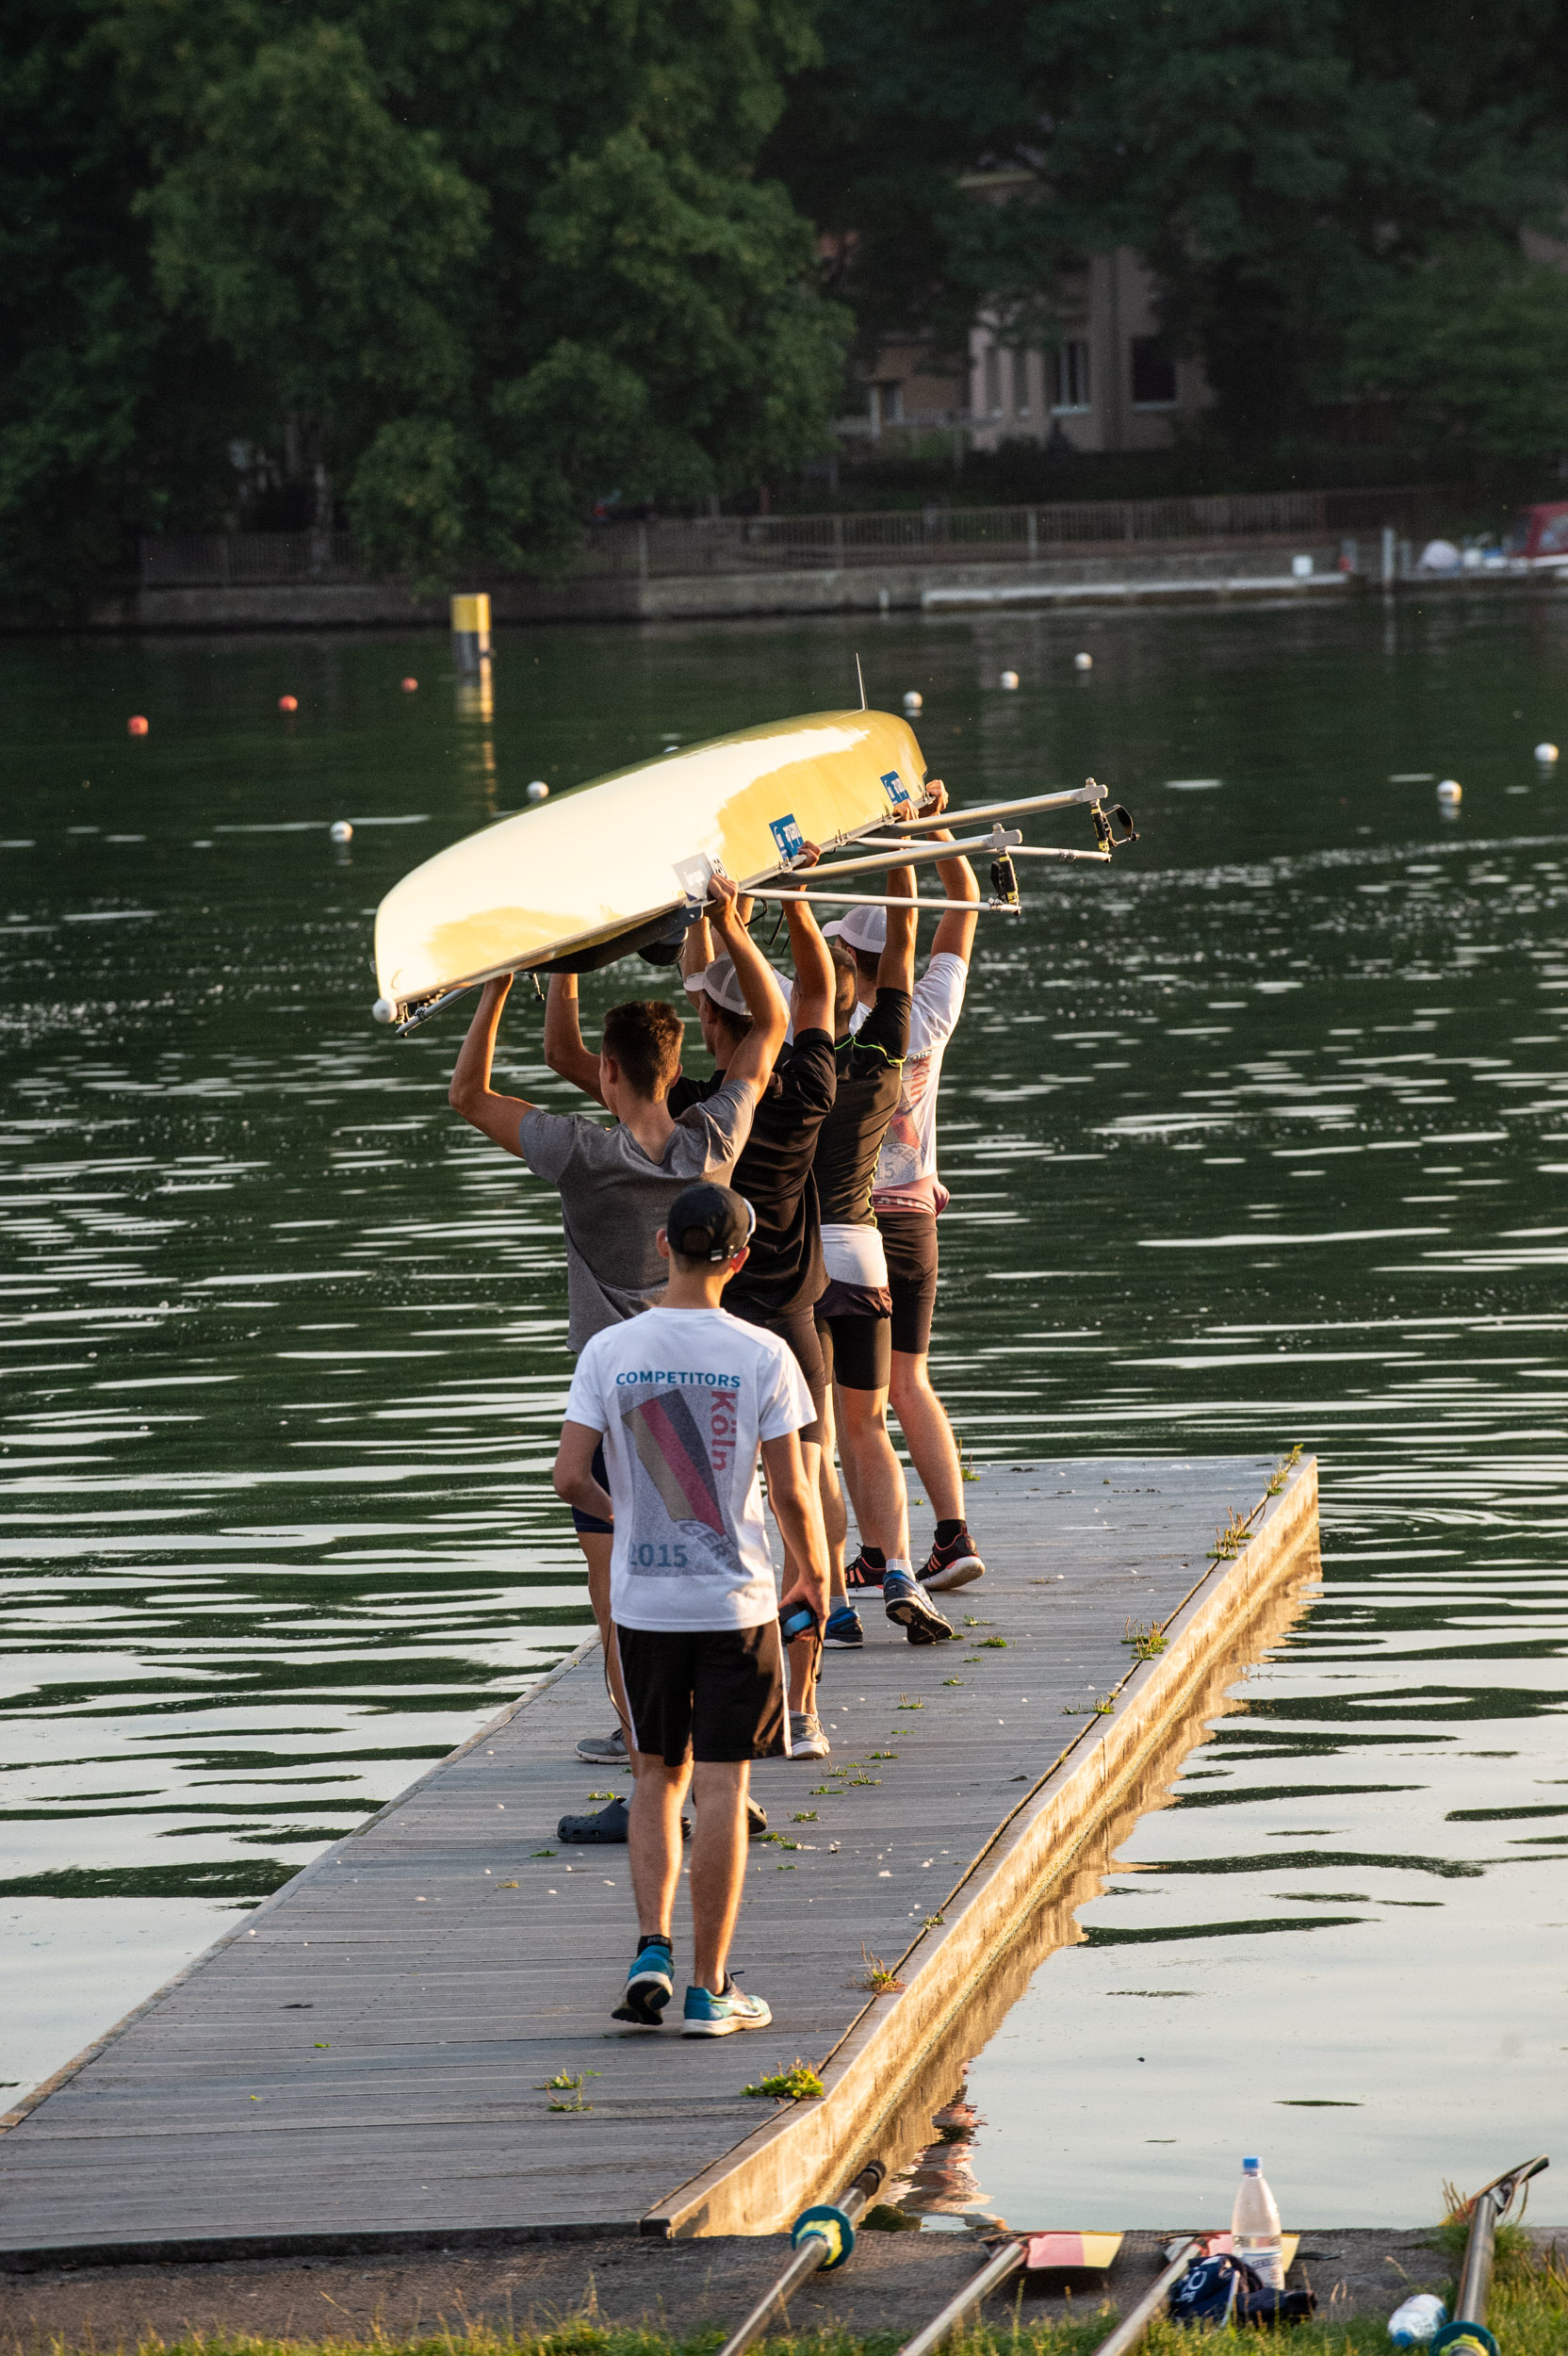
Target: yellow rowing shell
(606,862)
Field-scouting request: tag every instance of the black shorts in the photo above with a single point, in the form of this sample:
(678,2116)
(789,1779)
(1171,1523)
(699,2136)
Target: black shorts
(590,1521)
(714,1694)
(909,1240)
(857,1337)
(798,1333)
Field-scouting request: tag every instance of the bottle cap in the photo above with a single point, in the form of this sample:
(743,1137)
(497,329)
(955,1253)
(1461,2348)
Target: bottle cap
(1249,2165)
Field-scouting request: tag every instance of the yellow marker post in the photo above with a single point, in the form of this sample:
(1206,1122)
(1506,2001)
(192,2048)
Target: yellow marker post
(470,633)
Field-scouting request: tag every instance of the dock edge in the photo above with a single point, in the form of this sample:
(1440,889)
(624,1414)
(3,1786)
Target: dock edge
(762,2183)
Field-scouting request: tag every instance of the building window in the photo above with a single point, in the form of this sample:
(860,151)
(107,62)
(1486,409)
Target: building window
(993,381)
(1021,384)
(1153,374)
(1069,377)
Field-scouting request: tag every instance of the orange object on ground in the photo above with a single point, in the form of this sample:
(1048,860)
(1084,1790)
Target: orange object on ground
(135,724)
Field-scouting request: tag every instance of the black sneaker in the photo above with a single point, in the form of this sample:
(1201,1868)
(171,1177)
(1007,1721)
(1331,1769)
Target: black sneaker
(953,1565)
(912,1609)
(862,1575)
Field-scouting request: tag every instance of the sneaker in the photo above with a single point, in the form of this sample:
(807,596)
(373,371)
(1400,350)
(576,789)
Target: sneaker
(708,2014)
(756,1819)
(911,1608)
(603,1750)
(862,1575)
(649,1985)
(953,1565)
(841,1628)
(806,1739)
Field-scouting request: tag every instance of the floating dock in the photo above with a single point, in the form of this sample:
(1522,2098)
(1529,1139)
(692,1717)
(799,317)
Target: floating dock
(367,2059)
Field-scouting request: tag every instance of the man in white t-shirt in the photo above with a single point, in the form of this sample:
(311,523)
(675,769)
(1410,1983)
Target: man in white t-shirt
(683,1400)
(906,1197)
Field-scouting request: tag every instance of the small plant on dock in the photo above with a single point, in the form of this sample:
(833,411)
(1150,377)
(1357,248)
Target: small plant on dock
(953,1680)
(1146,1641)
(933,1923)
(878,1977)
(798,2084)
(1105,1706)
(1283,1469)
(1234,1535)
(992,1644)
(883,1754)
(804,1816)
(565,2090)
(905,1703)
(966,1459)
(860,1776)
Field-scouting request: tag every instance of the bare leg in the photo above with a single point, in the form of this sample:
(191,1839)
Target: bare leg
(928,1434)
(801,1658)
(719,1790)
(833,1512)
(653,1840)
(597,1545)
(872,1472)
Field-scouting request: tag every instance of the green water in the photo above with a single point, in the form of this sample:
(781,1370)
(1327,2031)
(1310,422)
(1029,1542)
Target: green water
(1260,1137)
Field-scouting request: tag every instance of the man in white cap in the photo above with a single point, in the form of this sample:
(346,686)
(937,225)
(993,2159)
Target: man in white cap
(907,1195)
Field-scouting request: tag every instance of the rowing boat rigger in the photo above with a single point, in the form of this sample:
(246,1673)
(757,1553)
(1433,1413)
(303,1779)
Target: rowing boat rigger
(624,863)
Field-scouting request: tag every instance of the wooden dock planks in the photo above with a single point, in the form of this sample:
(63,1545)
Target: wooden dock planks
(365,2056)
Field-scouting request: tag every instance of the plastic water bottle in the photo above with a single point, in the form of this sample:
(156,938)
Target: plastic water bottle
(1255,2226)
(1412,2324)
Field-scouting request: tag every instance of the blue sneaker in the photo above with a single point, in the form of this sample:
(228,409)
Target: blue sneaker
(908,1605)
(708,2014)
(842,1629)
(649,1985)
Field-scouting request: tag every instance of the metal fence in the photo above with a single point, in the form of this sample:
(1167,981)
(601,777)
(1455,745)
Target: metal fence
(663,548)
(248,559)
(957,535)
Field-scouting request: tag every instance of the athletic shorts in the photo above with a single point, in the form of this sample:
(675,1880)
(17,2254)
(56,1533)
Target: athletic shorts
(713,1694)
(909,1240)
(798,1333)
(590,1521)
(852,1323)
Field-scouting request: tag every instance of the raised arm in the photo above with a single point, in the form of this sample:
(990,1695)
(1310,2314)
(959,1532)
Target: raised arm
(895,968)
(753,1060)
(697,950)
(470,1093)
(813,962)
(563,1049)
(955,931)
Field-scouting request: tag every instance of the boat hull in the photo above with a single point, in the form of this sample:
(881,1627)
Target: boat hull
(606,867)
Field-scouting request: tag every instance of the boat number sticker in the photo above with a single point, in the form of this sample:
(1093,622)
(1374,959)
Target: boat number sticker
(787,836)
(897,792)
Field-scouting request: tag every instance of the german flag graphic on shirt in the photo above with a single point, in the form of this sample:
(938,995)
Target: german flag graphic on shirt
(672,1452)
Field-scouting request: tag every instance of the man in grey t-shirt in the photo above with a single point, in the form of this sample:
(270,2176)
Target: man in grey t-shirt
(617,1182)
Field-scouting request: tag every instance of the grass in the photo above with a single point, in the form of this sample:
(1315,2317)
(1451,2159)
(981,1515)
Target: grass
(1529,2315)
(798,2084)
(878,1978)
(1146,1640)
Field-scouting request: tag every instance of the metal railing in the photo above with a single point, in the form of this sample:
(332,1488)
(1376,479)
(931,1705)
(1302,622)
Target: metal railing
(666,546)
(248,559)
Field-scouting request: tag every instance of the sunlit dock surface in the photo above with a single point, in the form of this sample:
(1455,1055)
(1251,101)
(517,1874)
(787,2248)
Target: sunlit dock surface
(367,2057)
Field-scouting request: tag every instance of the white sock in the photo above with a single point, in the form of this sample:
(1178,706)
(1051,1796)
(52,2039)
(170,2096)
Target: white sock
(897,1563)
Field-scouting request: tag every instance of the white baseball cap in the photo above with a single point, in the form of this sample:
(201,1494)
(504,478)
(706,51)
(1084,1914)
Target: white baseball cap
(863,928)
(722,985)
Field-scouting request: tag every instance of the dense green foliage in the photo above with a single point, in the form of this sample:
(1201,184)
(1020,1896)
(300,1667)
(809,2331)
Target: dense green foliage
(464,268)
(1290,168)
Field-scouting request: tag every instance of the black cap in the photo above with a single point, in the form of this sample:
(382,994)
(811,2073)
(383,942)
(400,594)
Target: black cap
(709,1222)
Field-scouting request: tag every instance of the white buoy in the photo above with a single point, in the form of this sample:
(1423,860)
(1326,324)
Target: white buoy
(537,792)
(1450,792)
(1083,661)
(1546,756)
(914,700)
(383,1011)
(1009,679)
(341,830)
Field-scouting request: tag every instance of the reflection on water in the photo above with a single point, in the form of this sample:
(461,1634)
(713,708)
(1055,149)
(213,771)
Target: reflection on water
(1262,1135)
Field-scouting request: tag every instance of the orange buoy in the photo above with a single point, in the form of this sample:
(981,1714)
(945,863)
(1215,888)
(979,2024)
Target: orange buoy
(135,724)
(288,703)
(410,686)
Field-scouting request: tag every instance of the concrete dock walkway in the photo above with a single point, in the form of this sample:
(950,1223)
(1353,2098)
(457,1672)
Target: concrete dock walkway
(366,2058)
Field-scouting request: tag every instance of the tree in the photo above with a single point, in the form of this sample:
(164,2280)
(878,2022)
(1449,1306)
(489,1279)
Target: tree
(1473,346)
(1276,161)
(477,262)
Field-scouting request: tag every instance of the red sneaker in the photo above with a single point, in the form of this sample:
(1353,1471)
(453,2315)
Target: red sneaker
(953,1565)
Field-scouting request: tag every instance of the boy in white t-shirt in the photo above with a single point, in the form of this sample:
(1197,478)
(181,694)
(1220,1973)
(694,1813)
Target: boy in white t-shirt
(684,1399)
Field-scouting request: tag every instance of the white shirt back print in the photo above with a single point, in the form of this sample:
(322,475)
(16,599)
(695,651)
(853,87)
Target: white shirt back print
(684,1398)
